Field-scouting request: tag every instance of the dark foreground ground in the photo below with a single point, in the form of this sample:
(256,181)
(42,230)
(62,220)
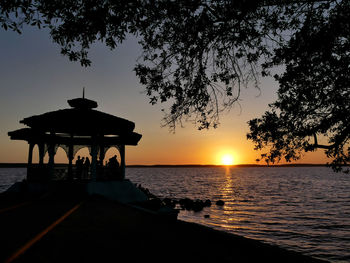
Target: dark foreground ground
(104,231)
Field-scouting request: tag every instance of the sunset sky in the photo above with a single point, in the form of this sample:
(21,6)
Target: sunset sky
(36,78)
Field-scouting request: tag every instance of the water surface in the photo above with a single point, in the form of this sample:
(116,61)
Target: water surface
(306,209)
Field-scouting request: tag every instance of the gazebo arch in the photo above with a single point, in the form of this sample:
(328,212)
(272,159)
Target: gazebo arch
(72,129)
(34,152)
(61,148)
(78,149)
(110,148)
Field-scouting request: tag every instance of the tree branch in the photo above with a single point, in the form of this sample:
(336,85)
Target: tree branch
(320,146)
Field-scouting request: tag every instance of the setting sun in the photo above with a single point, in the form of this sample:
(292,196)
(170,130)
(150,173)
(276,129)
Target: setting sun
(227,159)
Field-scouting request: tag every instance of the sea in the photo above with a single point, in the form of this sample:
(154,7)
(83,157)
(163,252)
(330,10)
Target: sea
(305,209)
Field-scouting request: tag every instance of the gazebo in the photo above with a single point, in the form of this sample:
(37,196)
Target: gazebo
(73,129)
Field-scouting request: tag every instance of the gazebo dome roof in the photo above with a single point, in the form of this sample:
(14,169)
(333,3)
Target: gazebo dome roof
(81,119)
(82,103)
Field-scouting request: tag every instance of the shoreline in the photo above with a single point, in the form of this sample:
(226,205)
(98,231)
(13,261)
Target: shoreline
(101,230)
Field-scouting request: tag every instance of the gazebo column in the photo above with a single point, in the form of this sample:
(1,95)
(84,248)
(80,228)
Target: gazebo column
(30,154)
(51,152)
(102,153)
(70,162)
(122,160)
(93,160)
(100,169)
(30,159)
(41,154)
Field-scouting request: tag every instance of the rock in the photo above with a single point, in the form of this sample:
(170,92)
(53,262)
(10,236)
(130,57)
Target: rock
(220,203)
(207,203)
(198,205)
(186,203)
(170,203)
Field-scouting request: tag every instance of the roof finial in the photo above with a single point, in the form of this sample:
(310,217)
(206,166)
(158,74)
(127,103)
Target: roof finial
(82,103)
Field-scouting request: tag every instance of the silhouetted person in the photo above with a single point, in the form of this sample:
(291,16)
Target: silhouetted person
(86,167)
(114,166)
(113,162)
(82,165)
(79,167)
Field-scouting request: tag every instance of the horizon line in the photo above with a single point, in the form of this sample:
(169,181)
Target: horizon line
(4,165)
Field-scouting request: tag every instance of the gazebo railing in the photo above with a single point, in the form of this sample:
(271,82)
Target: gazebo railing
(42,173)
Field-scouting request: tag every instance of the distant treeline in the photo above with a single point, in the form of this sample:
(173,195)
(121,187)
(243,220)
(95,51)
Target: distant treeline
(23,165)
(12,165)
(213,165)
(20,165)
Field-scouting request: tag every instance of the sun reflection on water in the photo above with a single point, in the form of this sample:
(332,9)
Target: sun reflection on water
(227,170)
(227,188)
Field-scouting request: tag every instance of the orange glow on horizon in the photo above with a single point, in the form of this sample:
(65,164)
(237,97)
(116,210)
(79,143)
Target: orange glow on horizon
(184,150)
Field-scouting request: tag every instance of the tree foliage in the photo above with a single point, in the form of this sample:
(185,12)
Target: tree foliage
(313,107)
(198,55)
